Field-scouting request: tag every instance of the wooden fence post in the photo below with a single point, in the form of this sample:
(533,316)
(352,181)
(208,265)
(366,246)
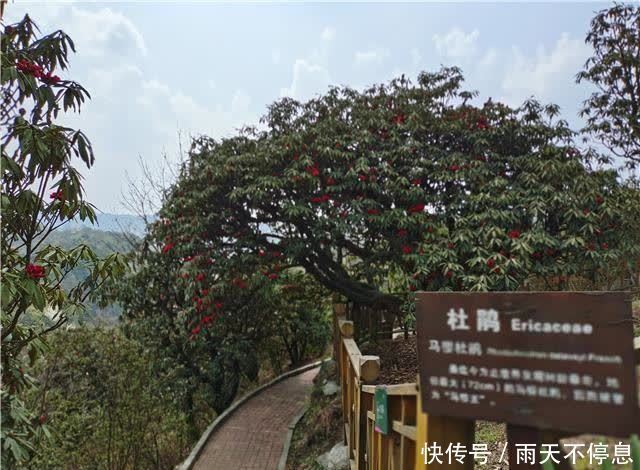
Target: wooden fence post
(441,430)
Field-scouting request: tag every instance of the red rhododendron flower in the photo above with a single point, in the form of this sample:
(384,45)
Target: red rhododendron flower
(29,68)
(320,199)
(330,181)
(59,195)
(273,276)
(402,232)
(200,277)
(196,330)
(35,271)
(406,249)
(491,263)
(276,254)
(415,208)
(449,273)
(454,168)
(373,211)
(218,305)
(313,170)
(362,177)
(416,181)
(513,234)
(482,123)
(240,283)
(50,79)
(605,246)
(399,118)
(450,245)
(167,247)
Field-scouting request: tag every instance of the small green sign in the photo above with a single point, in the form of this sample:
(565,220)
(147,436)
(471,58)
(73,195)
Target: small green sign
(382,410)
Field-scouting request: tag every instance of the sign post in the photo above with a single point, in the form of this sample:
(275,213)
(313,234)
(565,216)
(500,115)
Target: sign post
(549,360)
(382,411)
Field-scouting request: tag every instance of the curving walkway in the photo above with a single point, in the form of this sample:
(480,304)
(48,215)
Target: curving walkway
(252,438)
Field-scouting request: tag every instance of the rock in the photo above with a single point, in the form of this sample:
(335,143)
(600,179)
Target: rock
(330,388)
(336,459)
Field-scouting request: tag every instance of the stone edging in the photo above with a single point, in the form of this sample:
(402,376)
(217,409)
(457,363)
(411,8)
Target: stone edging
(195,452)
(282,463)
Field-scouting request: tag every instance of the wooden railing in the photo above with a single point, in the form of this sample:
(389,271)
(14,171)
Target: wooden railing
(410,428)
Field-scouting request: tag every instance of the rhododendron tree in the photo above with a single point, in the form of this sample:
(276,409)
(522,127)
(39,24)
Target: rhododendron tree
(41,190)
(401,178)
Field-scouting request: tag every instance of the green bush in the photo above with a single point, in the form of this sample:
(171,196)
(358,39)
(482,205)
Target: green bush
(105,404)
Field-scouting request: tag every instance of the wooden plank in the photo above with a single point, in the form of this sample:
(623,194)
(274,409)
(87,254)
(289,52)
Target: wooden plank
(405,429)
(369,389)
(402,389)
(354,354)
(371,415)
(636,346)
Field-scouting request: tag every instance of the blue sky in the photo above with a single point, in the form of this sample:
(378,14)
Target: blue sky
(154,69)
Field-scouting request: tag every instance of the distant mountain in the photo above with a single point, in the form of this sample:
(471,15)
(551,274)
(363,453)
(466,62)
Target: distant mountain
(122,223)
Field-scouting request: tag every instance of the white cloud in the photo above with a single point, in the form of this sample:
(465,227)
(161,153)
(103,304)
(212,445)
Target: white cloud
(328,34)
(547,74)
(375,56)
(309,79)
(489,59)
(456,44)
(95,32)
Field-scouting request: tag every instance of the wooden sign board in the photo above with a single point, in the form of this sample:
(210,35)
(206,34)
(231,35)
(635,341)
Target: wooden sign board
(548,360)
(382,410)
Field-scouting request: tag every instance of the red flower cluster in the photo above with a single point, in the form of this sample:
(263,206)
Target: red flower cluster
(399,118)
(373,211)
(30,68)
(50,79)
(513,234)
(167,247)
(406,249)
(416,208)
(402,232)
(35,271)
(59,195)
(362,177)
(238,282)
(605,246)
(491,263)
(320,199)
(330,181)
(313,170)
(200,277)
(416,182)
(454,168)
(482,123)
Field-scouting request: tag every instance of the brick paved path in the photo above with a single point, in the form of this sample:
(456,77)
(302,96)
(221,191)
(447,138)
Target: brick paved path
(252,438)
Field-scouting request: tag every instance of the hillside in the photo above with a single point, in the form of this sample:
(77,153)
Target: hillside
(103,243)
